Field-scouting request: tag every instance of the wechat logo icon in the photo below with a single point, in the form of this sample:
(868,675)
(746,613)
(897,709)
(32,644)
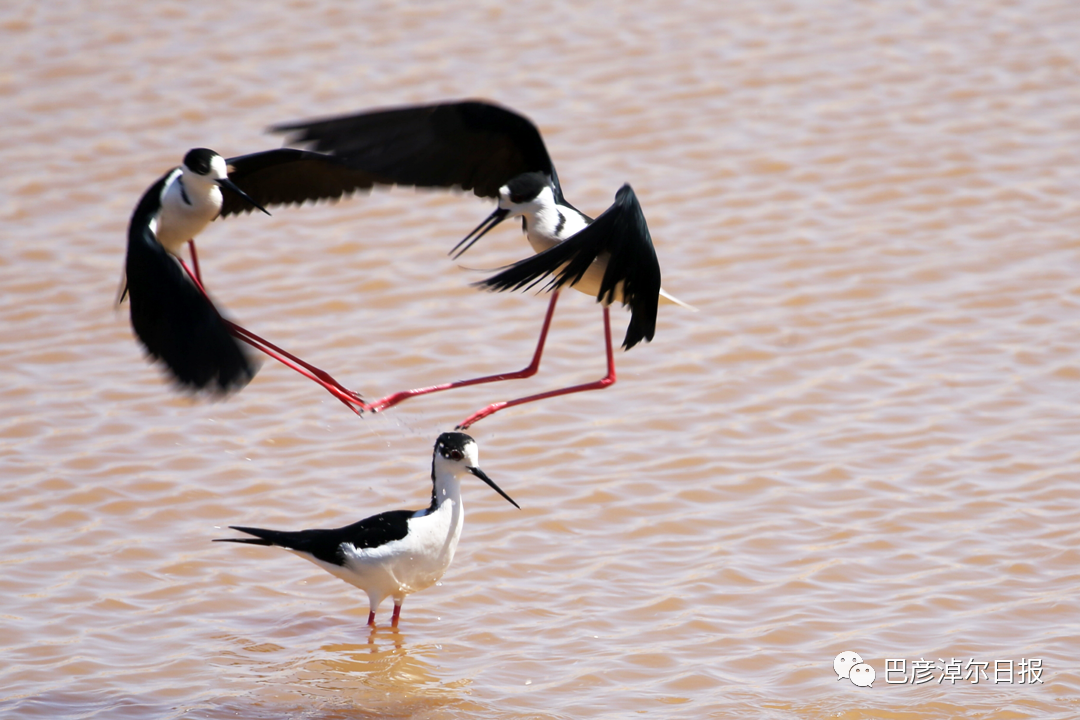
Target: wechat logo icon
(850,665)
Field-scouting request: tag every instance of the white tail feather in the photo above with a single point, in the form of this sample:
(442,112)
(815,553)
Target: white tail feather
(672,300)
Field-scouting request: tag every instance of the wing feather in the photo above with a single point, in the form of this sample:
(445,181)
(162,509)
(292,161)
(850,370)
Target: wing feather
(326,545)
(175,322)
(287,176)
(622,233)
(473,145)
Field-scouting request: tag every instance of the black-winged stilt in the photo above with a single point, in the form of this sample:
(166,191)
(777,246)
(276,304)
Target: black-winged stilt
(498,153)
(170,311)
(395,553)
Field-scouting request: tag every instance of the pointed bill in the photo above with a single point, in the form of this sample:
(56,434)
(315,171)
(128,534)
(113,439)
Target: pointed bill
(230,185)
(478,232)
(480,474)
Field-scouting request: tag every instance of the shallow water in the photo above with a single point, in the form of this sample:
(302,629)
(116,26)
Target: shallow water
(865,440)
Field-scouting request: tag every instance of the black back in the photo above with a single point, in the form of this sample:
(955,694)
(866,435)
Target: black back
(620,231)
(175,322)
(326,545)
(287,176)
(471,144)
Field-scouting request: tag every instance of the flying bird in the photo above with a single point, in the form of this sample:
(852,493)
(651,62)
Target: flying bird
(170,311)
(498,153)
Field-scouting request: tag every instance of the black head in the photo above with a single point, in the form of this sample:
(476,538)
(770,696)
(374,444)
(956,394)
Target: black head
(526,187)
(453,445)
(200,160)
(519,191)
(209,165)
(455,453)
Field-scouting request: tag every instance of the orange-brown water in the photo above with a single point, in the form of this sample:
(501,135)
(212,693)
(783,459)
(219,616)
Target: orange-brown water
(868,438)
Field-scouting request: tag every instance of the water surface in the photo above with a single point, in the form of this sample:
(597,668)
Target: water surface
(865,440)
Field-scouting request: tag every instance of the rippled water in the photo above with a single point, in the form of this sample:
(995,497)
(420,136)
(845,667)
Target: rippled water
(865,440)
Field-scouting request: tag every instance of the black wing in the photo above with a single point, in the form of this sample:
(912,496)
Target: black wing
(473,145)
(174,321)
(621,232)
(287,176)
(326,544)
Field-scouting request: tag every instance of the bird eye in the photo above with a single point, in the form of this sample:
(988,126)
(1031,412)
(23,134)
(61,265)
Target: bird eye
(516,198)
(456,455)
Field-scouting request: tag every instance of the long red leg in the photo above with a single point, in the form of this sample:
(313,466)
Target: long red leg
(391,400)
(371,619)
(195,263)
(397,614)
(351,400)
(603,382)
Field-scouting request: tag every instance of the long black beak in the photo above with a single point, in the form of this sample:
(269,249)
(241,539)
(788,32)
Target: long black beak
(480,474)
(227,183)
(478,232)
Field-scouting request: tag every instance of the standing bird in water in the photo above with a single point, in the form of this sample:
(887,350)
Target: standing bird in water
(395,553)
(170,311)
(497,153)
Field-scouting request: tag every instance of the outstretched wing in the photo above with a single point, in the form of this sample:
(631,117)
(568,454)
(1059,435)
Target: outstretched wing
(622,233)
(326,545)
(473,145)
(287,176)
(174,321)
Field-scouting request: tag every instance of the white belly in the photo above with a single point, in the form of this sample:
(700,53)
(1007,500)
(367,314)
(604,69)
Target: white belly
(590,282)
(593,277)
(176,227)
(181,220)
(404,566)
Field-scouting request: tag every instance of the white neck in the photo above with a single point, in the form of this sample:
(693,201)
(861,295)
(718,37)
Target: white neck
(447,487)
(188,204)
(547,223)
